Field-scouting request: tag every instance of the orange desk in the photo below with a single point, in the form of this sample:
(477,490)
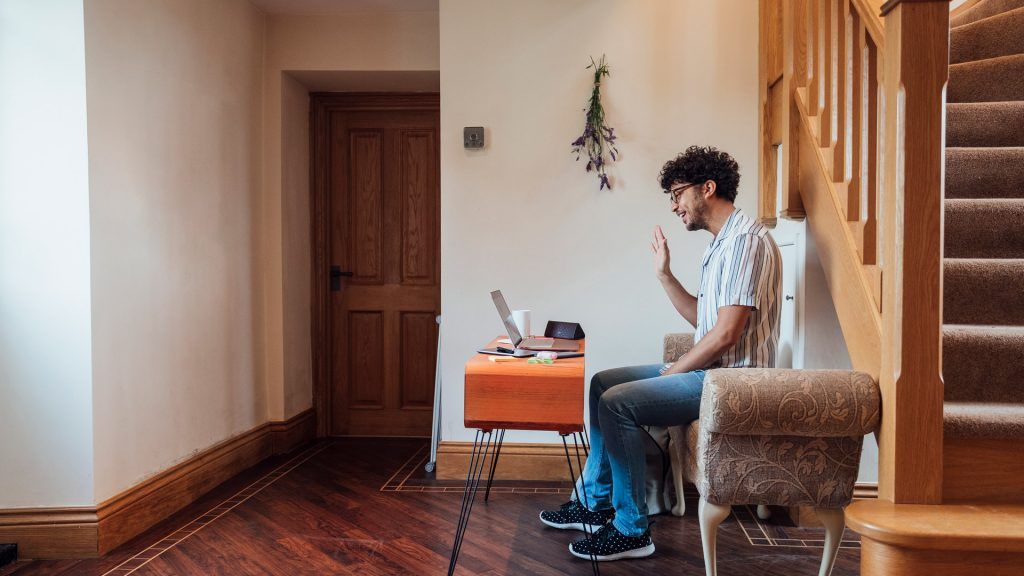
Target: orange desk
(517,395)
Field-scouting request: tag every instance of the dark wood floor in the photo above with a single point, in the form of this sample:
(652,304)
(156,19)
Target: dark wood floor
(323,511)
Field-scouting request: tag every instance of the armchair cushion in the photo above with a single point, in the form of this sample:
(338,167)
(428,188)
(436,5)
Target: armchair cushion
(810,403)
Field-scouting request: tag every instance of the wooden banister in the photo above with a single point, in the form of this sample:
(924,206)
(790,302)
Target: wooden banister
(852,139)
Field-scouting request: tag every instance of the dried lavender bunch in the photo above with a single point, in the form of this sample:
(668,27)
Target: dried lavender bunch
(597,137)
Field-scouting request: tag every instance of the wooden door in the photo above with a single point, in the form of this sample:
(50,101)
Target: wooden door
(385,255)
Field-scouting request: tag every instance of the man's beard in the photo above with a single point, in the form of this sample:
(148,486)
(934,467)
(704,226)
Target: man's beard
(698,220)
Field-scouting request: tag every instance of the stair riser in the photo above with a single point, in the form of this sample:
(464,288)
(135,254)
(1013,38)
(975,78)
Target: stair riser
(985,124)
(993,80)
(990,38)
(984,10)
(984,173)
(983,471)
(984,229)
(983,292)
(983,365)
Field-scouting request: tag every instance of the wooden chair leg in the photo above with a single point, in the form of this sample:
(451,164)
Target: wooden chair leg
(711,515)
(833,519)
(679,508)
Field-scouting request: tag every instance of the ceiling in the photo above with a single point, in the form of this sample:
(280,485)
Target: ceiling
(344,6)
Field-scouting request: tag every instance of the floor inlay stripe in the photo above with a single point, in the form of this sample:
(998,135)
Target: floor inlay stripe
(168,542)
(755,530)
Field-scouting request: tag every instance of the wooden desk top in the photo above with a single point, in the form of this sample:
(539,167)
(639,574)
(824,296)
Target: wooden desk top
(517,395)
(481,364)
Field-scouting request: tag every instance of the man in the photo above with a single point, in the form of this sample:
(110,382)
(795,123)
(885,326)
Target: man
(736,314)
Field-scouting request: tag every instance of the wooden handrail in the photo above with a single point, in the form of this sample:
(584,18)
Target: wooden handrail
(852,139)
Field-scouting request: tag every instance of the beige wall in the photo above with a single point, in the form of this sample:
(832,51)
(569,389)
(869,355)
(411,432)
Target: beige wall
(351,52)
(174,104)
(296,246)
(522,216)
(45,343)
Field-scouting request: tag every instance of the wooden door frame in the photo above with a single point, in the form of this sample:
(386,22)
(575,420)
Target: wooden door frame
(321,105)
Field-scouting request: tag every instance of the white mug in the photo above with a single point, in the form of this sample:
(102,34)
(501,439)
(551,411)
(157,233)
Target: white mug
(522,321)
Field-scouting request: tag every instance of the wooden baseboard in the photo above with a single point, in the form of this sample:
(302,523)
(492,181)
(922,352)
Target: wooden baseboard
(51,532)
(539,462)
(94,531)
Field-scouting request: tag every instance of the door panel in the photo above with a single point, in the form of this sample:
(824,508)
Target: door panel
(365,233)
(419,332)
(419,219)
(385,230)
(366,359)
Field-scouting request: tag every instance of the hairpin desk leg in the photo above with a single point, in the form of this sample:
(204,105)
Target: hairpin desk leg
(494,464)
(477,460)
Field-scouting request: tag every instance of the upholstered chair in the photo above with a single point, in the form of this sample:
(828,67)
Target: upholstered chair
(773,437)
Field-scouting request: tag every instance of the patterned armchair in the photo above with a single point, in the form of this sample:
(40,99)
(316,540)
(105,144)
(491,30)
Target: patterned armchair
(773,436)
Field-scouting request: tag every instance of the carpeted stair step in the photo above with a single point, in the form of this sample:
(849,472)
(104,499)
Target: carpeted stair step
(984,420)
(983,363)
(992,80)
(999,35)
(984,228)
(985,172)
(976,124)
(984,9)
(982,291)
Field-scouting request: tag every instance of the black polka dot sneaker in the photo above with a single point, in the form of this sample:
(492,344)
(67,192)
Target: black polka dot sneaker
(573,516)
(610,544)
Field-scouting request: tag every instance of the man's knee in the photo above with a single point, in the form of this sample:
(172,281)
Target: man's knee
(599,383)
(614,402)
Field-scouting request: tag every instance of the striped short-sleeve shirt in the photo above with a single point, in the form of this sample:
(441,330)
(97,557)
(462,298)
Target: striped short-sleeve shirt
(742,266)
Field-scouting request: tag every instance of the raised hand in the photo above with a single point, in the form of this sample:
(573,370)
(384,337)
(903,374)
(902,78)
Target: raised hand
(659,247)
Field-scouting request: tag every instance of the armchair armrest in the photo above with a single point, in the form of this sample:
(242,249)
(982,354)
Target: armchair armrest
(768,401)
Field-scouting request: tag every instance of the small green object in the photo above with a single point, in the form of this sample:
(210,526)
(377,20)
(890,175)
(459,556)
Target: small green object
(536,360)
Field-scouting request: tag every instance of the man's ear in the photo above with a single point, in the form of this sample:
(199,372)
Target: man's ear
(709,189)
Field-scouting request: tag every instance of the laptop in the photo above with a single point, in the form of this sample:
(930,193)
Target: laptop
(527,346)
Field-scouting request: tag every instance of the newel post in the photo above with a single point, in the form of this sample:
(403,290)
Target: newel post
(916,70)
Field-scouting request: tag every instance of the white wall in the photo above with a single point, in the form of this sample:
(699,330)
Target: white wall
(362,51)
(45,362)
(522,216)
(174,104)
(824,345)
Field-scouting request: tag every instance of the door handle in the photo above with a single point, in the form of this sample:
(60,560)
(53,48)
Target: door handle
(336,274)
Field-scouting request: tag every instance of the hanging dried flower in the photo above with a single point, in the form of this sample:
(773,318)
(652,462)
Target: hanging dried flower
(597,138)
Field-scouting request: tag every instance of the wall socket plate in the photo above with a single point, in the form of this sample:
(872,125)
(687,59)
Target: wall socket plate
(473,137)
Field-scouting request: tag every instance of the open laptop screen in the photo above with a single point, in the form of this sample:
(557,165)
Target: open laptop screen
(506,318)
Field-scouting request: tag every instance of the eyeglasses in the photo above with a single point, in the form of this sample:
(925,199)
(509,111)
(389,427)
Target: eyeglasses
(675,193)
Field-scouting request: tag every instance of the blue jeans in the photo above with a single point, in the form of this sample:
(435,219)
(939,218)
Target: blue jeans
(621,401)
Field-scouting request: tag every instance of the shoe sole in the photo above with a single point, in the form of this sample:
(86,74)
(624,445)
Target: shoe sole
(575,526)
(634,553)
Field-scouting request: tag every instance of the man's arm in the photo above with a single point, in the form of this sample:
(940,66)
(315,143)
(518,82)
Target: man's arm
(684,302)
(723,335)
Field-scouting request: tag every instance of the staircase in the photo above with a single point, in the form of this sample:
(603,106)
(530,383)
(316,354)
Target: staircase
(922,242)
(983,292)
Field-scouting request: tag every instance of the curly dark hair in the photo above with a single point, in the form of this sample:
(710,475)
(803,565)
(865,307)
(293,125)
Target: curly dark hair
(700,164)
